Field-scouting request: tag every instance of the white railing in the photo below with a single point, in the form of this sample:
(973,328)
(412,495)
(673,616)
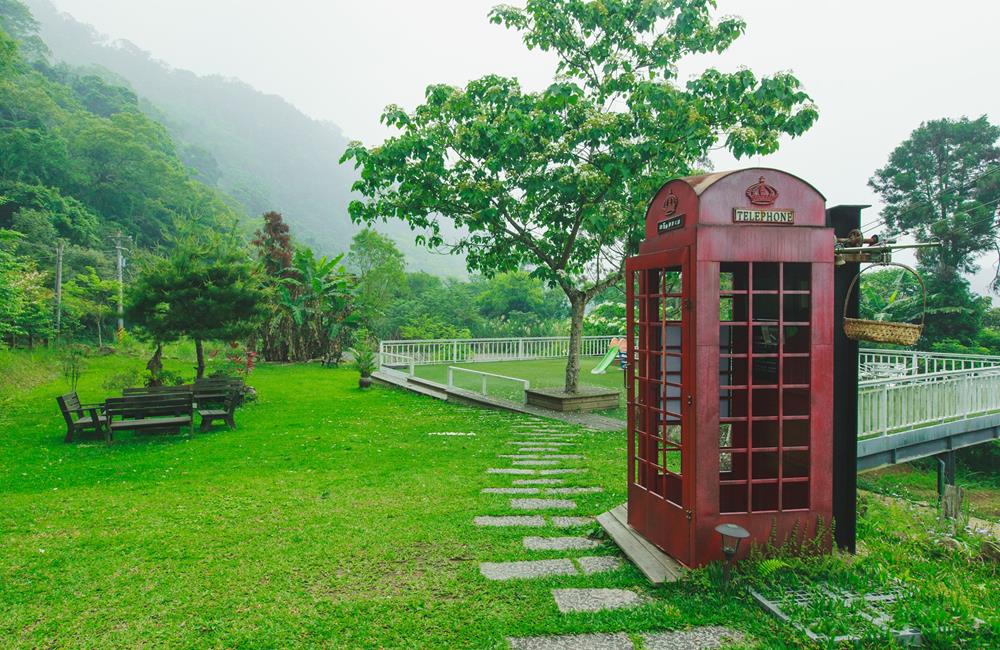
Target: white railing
(397,362)
(484,378)
(891,405)
(877,364)
(898,391)
(425,352)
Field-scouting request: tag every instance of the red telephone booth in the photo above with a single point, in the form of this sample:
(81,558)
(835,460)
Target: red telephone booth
(730,393)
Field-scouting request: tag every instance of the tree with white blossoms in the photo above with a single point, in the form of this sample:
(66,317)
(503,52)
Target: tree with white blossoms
(557,181)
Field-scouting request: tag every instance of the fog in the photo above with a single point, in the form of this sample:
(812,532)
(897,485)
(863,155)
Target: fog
(875,69)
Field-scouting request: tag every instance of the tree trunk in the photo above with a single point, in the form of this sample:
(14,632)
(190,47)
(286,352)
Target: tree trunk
(577,305)
(155,365)
(100,341)
(199,349)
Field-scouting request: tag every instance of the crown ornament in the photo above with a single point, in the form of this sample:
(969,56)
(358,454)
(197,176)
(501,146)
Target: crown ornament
(760,193)
(670,203)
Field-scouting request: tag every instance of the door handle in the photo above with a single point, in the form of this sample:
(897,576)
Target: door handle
(690,400)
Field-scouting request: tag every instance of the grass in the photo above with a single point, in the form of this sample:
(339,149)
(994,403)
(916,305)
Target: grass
(920,484)
(332,519)
(542,373)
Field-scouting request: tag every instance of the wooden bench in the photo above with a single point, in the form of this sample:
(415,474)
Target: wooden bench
(151,412)
(213,390)
(81,418)
(226,412)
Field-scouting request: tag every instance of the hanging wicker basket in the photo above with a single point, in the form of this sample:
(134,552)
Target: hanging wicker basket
(877,331)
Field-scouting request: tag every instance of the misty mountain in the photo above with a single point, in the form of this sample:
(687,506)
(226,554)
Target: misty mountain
(257,148)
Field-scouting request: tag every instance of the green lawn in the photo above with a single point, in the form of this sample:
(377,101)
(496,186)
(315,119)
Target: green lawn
(332,519)
(542,373)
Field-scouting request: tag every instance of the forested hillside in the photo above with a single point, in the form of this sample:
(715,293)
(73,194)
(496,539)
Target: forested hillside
(257,148)
(80,162)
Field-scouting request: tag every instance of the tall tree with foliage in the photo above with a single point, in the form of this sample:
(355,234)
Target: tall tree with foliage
(943,183)
(206,289)
(309,300)
(94,296)
(381,272)
(557,180)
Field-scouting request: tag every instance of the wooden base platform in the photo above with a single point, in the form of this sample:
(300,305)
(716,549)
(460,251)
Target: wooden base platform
(656,565)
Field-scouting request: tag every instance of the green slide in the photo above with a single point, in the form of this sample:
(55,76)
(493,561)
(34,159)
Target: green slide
(608,359)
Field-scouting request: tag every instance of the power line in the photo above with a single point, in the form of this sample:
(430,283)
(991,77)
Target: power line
(881,221)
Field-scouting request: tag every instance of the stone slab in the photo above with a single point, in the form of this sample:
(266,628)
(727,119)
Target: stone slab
(617,641)
(570,522)
(574,490)
(560,543)
(698,638)
(599,564)
(547,443)
(527,569)
(511,490)
(510,470)
(546,432)
(542,504)
(554,472)
(536,463)
(595,600)
(539,481)
(534,521)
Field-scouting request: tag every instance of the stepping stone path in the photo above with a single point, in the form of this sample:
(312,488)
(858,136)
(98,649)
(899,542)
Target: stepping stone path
(540,445)
(601,564)
(699,638)
(595,600)
(547,443)
(588,566)
(571,522)
(512,490)
(559,543)
(619,641)
(542,504)
(536,521)
(529,569)
(574,490)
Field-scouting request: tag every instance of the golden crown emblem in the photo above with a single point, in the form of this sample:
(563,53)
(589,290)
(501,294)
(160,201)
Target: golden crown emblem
(760,193)
(670,203)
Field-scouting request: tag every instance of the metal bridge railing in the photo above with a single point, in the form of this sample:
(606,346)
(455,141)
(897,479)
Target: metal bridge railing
(876,364)
(891,405)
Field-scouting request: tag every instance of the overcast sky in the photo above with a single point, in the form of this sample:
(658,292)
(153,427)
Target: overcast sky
(876,68)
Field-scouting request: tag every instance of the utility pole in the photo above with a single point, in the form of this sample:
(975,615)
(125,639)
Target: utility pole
(60,249)
(121,280)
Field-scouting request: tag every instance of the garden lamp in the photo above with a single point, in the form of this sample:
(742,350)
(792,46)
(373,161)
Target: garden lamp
(732,535)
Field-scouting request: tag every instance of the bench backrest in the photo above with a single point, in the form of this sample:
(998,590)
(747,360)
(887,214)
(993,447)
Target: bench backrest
(150,406)
(227,382)
(69,405)
(149,390)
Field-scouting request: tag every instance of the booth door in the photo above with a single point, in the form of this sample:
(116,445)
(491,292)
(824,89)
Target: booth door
(660,428)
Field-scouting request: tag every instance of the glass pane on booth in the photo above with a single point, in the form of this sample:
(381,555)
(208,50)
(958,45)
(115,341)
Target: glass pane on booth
(657,399)
(765,394)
